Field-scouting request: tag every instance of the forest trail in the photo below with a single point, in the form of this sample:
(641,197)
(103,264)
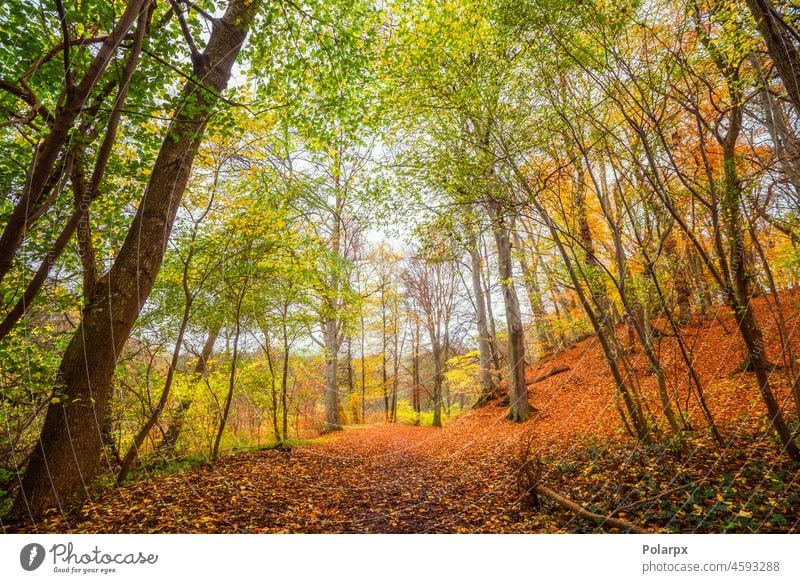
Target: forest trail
(462,478)
(391,479)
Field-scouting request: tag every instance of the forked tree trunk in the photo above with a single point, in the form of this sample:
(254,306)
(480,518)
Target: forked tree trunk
(67,454)
(84,196)
(39,173)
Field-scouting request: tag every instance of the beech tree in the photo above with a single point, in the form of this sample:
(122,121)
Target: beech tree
(68,452)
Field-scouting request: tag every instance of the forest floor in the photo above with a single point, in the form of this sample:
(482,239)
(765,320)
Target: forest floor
(462,478)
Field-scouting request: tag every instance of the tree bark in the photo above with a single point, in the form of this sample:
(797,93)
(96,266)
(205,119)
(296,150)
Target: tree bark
(519,407)
(331,377)
(84,195)
(436,348)
(484,341)
(781,45)
(544,335)
(285,380)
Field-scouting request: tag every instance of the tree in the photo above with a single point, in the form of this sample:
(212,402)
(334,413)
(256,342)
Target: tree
(68,450)
(432,284)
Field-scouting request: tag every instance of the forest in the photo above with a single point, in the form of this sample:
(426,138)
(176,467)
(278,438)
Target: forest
(472,266)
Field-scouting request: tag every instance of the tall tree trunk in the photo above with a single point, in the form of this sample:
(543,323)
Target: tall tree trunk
(395,370)
(781,43)
(285,381)
(740,294)
(273,385)
(544,335)
(437,377)
(688,360)
(520,408)
(484,340)
(632,404)
(68,451)
(415,394)
(384,348)
(595,279)
(363,367)
(333,316)
(331,377)
(487,279)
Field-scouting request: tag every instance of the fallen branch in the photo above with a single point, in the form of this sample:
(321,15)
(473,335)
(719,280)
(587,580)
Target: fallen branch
(529,472)
(553,371)
(581,511)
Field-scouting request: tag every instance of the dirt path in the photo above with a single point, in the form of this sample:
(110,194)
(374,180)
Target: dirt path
(382,479)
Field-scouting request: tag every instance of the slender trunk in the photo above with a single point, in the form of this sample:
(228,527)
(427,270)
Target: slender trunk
(395,379)
(437,378)
(69,448)
(641,430)
(785,142)
(519,407)
(232,378)
(273,386)
(640,324)
(484,340)
(138,440)
(384,342)
(544,336)
(285,382)
(689,362)
(640,425)
(176,426)
(363,368)
(351,374)
(486,276)
(740,295)
(595,279)
(787,354)
(333,316)
(415,395)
